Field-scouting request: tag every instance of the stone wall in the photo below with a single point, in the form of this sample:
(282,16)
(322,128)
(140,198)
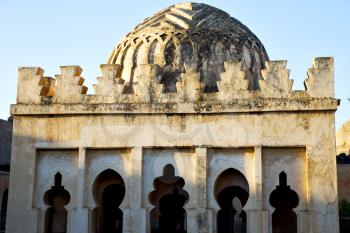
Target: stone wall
(5,160)
(199,147)
(5,142)
(343,172)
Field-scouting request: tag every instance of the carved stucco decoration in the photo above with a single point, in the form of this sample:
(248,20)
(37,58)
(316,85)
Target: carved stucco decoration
(193,35)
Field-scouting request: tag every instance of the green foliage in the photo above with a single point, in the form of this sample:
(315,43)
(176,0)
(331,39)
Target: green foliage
(344,216)
(344,208)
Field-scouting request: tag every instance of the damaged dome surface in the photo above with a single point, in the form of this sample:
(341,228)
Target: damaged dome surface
(190,36)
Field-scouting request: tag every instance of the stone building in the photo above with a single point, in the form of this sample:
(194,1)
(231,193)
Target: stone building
(343,161)
(191,129)
(5,157)
(343,139)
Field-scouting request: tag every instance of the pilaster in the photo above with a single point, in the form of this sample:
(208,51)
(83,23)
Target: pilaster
(137,215)
(258,219)
(79,217)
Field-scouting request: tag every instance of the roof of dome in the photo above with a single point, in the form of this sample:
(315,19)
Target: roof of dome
(195,35)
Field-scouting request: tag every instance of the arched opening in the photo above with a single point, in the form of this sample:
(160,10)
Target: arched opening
(284,200)
(231,192)
(169,199)
(56,215)
(3,210)
(109,192)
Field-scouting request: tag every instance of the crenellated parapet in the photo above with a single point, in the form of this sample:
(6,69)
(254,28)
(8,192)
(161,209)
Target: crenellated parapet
(148,85)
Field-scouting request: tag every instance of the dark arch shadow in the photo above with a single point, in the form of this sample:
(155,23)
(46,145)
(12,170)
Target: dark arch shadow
(56,215)
(284,200)
(231,192)
(3,211)
(169,199)
(109,192)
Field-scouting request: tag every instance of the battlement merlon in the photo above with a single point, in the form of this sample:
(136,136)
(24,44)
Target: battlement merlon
(276,82)
(69,88)
(320,80)
(110,83)
(32,86)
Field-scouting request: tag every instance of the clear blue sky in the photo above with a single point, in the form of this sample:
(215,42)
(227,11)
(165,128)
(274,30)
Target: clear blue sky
(67,32)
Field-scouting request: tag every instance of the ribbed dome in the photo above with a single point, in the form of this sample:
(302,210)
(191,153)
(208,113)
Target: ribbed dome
(190,35)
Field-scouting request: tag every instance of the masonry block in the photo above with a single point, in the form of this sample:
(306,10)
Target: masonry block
(70,88)
(320,80)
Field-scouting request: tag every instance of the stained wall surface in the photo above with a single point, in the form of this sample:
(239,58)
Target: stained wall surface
(181,141)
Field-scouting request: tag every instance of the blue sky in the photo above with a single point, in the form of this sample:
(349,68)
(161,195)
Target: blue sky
(66,32)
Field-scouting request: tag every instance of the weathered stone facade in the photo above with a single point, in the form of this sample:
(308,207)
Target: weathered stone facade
(189,118)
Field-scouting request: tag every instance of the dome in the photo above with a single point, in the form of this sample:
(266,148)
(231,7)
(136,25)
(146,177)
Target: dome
(192,35)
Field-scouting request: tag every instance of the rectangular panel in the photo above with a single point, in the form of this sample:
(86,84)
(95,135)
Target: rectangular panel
(48,163)
(185,164)
(293,162)
(98,161)
(241,160)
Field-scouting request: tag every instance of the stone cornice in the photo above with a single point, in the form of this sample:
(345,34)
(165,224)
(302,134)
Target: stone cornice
(255,105)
